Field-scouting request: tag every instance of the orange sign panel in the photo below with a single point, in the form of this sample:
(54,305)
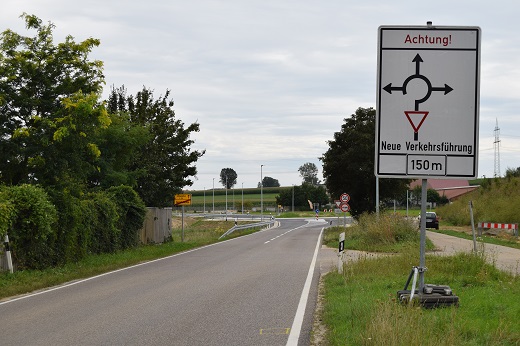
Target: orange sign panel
(182,199)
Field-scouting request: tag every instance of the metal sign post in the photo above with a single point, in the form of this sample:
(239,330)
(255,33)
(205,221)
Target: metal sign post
(182,199)
(422,255)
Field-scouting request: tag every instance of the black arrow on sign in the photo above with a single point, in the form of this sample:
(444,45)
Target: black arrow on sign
(446,89)
(417,60)
(389,89)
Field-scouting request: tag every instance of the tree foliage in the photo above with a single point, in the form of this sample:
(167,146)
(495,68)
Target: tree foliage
(512,172)
(348,164)
(49,107)
(228,177)
(302,195)
(269,182)
(68,157)
(309,173)
(164,163)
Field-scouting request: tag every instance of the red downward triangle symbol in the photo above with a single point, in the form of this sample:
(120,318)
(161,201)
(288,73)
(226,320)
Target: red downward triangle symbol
(416,115)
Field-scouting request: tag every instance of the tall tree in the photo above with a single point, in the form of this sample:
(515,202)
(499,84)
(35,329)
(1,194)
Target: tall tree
(269,182)
(164,164)
(49,106)
(228,177)
(120,145)
(302,195)
(309,173)
(348,164)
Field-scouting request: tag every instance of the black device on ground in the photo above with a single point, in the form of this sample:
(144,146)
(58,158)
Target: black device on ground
(432,296)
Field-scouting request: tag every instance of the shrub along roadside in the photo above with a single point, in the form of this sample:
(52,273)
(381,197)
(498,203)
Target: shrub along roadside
(388,233)
(30,224)
(46,231)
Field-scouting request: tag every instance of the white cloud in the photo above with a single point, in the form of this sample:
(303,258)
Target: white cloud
(271,81)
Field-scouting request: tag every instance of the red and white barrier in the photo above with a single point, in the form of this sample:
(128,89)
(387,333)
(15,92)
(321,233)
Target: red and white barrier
(494,225)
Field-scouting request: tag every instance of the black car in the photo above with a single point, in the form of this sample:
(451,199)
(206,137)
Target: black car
(432,221)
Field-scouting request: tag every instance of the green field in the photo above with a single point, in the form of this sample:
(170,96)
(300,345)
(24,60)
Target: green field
(269,198)
(252,198)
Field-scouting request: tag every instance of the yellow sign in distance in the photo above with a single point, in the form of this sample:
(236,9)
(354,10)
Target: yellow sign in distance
(182,199)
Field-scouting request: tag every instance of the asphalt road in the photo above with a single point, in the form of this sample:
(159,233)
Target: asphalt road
(259,289)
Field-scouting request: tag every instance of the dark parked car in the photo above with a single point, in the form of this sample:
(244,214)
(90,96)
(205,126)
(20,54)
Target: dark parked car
(432,221)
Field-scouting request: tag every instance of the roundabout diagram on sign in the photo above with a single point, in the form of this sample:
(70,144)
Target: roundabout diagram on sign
(417,117)
(427,110)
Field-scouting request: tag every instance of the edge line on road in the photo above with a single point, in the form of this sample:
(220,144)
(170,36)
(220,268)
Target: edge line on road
(300,311)
(48,290)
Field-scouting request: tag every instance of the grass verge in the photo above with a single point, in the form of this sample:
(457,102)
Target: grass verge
(389,233)
(361,308)
(360,305)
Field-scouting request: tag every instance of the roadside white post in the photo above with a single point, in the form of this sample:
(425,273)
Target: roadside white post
(8,254)
(341,251)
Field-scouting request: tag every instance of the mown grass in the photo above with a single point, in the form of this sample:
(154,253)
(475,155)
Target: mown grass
(197,233)
(361,309)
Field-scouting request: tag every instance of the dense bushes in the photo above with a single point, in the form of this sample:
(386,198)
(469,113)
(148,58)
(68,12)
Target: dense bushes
(131,214)
(30,225)
(44,234)
(497,200)
(386,232)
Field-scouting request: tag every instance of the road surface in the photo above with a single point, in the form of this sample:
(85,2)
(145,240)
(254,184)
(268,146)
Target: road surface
(259,289)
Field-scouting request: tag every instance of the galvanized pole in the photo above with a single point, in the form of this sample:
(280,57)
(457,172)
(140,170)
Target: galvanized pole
(292,209)
(226,197)
(377,196)
(472,226)
(422,260)
(261,194)
(182,227)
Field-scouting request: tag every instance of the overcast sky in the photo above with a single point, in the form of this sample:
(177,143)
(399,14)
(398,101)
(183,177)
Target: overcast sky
(270,81)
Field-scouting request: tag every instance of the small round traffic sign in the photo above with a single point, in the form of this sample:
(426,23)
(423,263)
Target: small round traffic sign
(344,207)
(345,197)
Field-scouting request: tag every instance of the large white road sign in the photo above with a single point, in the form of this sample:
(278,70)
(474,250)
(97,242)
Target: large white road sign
(427,111)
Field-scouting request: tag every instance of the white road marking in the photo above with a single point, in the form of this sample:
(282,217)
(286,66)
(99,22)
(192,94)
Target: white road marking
(300,312)
(281,235)
(44,291)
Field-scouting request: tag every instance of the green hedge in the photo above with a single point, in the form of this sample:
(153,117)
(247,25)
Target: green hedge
(131,212)
(31,227)
(44,233)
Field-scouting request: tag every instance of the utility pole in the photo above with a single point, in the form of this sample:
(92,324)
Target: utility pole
(261,194)
(496,145)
